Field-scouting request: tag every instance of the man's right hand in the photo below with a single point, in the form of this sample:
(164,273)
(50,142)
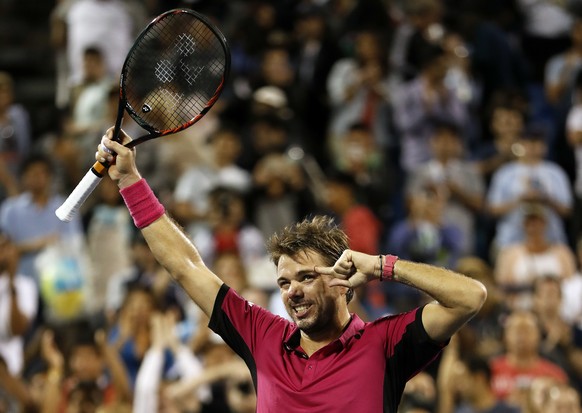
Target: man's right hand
(123,169)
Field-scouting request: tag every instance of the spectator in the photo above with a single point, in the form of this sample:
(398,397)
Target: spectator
(556,335)
(218,169)
(545,32)
(227,230)
(514,371)
(504,124)
(29,218)
(88,102)
(483,335)
(359,93)
(520,264)
(424,235)
(107,221)
(18,308)
(562,68)
(149,394)
(529,178)
(357,220)
(363,159)
(574,138)
(454,177)
(425,98)
(89,375)
(465,387)
(15,127)
(105,24)
(130,333)
(315,54)
(143,273)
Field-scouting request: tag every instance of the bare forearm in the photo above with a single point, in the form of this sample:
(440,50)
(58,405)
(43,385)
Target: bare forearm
(18,321)
(458,298)
(450,289)
(175,252)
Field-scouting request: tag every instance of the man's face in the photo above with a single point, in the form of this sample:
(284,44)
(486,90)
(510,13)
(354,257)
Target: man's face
(310,302)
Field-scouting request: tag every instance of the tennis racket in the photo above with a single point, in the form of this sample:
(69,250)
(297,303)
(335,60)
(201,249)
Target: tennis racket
(171,77)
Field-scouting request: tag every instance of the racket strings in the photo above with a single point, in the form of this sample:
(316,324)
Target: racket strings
(174,72)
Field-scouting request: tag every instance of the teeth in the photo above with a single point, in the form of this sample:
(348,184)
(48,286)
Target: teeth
(301,308)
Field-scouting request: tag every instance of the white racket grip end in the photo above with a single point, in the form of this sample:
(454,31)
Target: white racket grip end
(72,204)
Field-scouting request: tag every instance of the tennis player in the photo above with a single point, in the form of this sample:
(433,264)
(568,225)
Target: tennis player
(326,360)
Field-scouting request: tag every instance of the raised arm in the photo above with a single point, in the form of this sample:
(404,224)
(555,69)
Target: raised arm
(167,241)
(458,298)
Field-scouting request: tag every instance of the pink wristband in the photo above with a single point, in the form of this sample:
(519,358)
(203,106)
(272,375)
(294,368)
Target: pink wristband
(388,267)
(142,203)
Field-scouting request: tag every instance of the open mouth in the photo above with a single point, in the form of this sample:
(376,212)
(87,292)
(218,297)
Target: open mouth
(301,310)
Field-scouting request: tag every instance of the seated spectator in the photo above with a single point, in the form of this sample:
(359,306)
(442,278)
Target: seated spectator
(556,334)
(217,169)
(107,220)
(454,177)
(465,386)
(422,236)
(144,272)
(529,179)
(279,190)
(362,158)
(15,127)
(18,308)
(504,124)
(358,221)
(561,69)
(228,231)
(483,334)
(520,264)
(358,91)
(514,371)
(29,219)
(425,98)
(88,104)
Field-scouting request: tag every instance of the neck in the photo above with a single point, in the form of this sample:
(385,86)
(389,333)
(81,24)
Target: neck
(484,400)
(312,342)
(40,198)
(523,359)
(536,244)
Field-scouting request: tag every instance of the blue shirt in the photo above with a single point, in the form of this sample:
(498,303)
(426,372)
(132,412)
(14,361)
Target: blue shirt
(24,221)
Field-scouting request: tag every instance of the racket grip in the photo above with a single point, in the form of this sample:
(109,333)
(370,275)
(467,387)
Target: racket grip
(67,211)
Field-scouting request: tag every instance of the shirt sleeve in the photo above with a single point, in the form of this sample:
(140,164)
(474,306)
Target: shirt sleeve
(409,349)
(243,325)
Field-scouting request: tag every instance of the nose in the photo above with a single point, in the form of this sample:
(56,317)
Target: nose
(295,290)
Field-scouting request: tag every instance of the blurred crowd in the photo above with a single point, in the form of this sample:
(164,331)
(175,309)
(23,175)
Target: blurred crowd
(446,132)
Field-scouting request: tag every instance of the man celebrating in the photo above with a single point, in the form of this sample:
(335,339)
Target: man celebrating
(326,359)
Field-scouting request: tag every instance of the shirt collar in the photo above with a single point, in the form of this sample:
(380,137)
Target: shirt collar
(353,329)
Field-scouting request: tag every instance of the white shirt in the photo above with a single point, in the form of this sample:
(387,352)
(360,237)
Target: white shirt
(105,24)
(12,347)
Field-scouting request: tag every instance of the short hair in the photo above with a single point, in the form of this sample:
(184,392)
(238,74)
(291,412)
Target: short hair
(319,234)
(476,364)
(34,159)
(93,51)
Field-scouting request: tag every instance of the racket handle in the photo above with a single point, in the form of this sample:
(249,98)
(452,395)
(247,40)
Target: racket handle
(67,211)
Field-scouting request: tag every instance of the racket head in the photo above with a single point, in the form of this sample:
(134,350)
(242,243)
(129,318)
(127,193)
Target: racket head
(174,73)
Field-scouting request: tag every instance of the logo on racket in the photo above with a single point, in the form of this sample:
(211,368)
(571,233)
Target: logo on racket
(167,69)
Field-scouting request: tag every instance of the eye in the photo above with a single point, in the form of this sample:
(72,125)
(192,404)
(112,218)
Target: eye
(283,284)
(308,277)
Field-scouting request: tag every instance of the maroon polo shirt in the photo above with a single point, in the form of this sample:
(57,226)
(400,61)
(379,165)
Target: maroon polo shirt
(364,370)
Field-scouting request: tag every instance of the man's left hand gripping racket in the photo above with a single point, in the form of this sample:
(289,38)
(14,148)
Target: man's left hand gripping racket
(171,77)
